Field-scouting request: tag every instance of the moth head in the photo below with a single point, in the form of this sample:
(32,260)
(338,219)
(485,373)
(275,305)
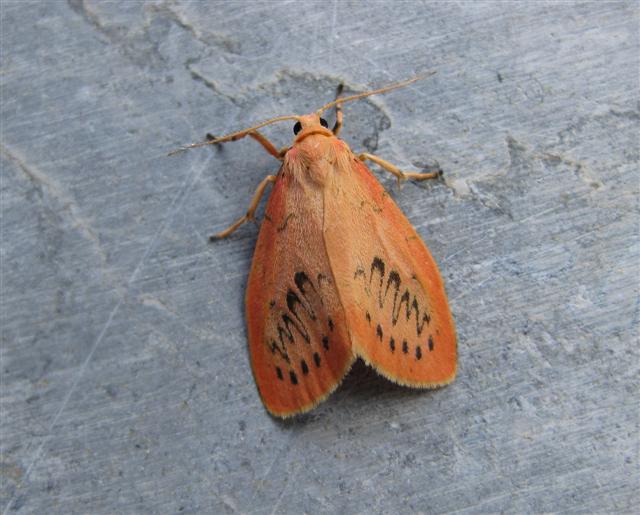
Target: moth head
(309,121)
(309,124)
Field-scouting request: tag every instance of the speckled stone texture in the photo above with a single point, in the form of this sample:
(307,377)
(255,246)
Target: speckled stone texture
(126,385)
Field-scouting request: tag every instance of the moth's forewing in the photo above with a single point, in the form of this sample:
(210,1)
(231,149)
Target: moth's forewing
(298,339)
(389,284)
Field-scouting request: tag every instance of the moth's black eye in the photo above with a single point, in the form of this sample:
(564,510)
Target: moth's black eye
(297,128)
(324,123)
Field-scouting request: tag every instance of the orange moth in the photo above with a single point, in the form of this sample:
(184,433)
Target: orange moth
(338,273)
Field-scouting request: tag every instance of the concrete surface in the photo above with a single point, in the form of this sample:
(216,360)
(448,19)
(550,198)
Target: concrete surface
(126,385)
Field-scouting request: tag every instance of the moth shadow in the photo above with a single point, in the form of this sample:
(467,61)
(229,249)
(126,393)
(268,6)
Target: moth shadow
(364,383)
(361,386)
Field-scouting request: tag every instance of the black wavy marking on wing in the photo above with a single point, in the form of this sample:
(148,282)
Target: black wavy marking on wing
(293,320)
(301,279)
(394,281)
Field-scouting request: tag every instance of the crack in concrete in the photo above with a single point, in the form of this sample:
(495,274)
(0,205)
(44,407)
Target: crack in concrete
(138,48)
(580,169)
(629,114)
(46,185)
(210,39)
(81,8)
(210,84)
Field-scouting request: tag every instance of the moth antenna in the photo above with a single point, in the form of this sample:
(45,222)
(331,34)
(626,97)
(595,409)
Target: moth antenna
(234,135)
(398,85)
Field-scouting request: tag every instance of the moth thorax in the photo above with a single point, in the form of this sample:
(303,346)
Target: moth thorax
(318,172)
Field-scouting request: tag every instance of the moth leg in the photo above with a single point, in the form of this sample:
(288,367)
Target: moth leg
(400,175)
(338,125)
(268,146)
(250,212)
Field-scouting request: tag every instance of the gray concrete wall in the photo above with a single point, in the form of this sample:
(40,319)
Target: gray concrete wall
(126,385)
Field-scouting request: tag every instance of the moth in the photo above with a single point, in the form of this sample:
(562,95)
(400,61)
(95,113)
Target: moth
(338,272)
